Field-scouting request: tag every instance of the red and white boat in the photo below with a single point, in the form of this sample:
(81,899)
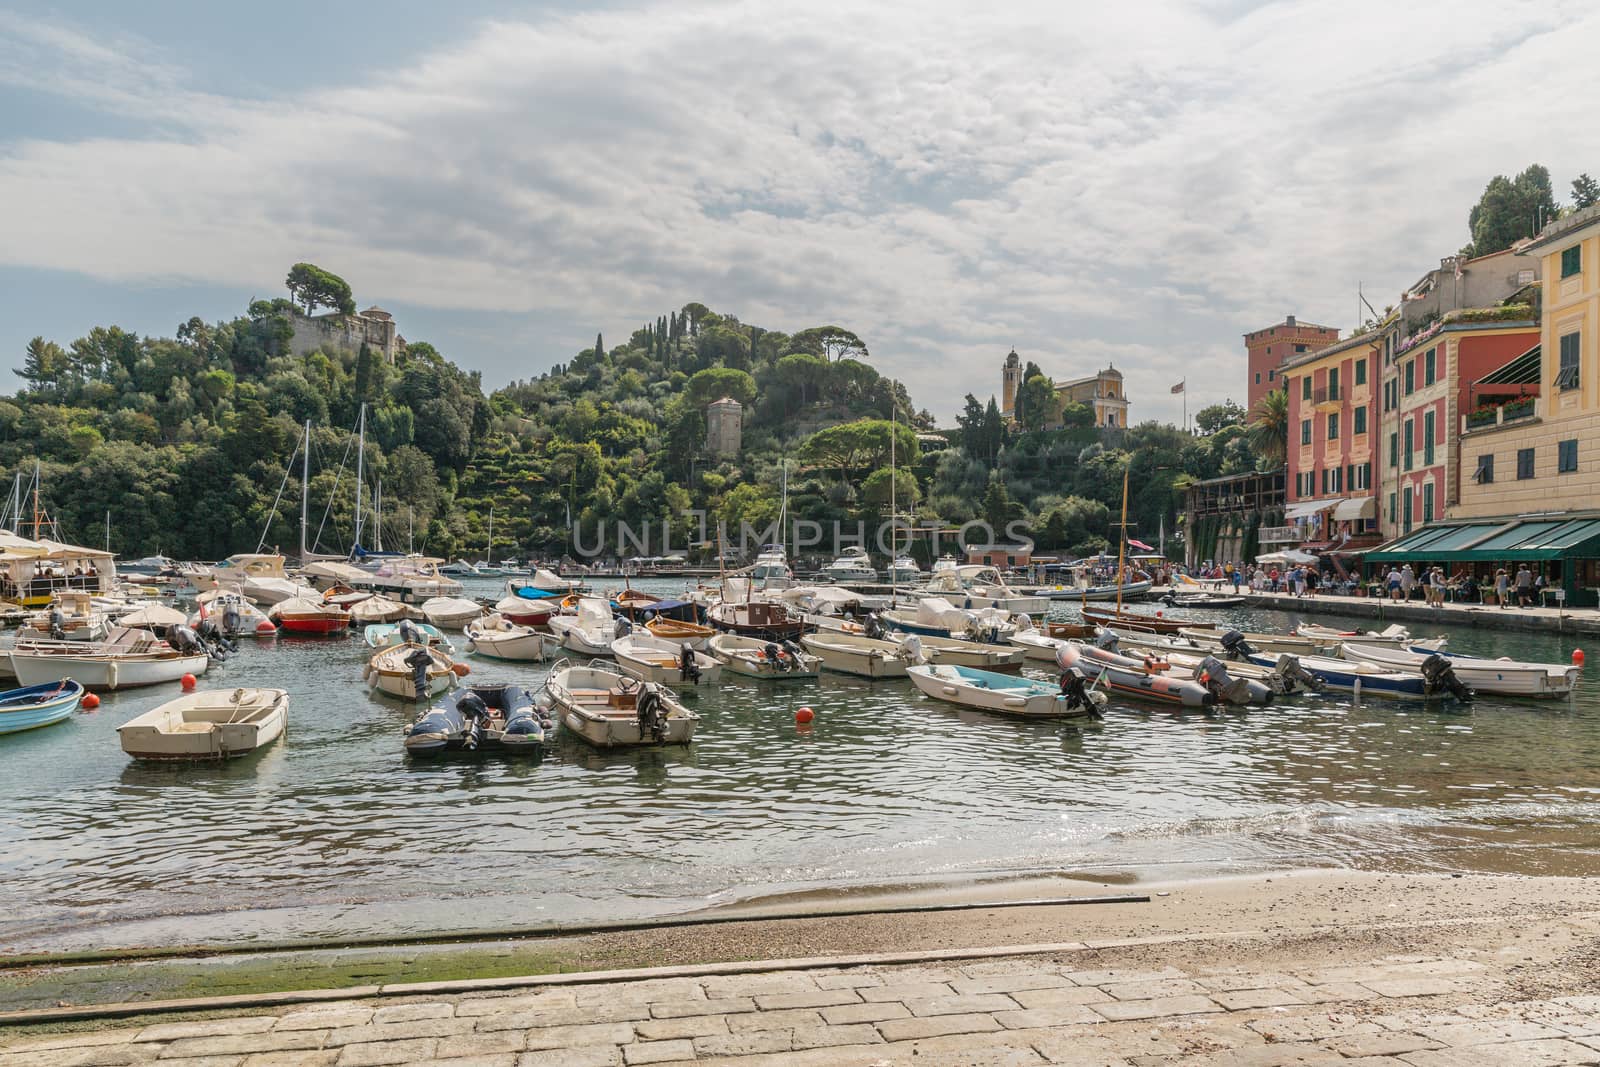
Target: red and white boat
(303,615)
(521,611)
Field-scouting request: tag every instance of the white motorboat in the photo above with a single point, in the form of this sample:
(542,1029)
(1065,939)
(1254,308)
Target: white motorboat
(1004,693)
(755,658)
(451,613)
(852,565)
(378,608)
(860,656)
(1037,645)
(771,569)
(128,658)
(546,581)
(937,617)
(955,652)
(1212,641)
(407,631)
(904,571)
(654,659)
(212,725)
(520,611)
(497,637)
(395,670)
(979,586)
(612,710)
(71,616)
(1394,635)
(410,579)
(233,612)
(259,576)
(589,630)
(1502,677)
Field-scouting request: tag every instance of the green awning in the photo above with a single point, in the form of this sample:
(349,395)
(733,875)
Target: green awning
(1490,542)
(1526,369)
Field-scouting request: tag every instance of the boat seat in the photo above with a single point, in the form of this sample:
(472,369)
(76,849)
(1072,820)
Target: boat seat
(192,728)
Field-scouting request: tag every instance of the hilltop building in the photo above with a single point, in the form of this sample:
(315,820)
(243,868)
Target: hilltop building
(724,427)
(1269,348)
(1102,392)
(373,327)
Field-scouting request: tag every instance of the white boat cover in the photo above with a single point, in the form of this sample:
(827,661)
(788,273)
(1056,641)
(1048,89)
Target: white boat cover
(936,611)
(594,613)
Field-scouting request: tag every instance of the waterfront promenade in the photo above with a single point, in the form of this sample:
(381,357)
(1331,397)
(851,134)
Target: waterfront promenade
(1339,969)
(1549,620)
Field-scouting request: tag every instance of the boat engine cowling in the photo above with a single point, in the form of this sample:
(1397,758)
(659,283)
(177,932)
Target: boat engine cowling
(688,669)
(1295,677)
(1106,638)
(1078,694)
(474,713)
(1213,674)
(873,627)
(1439,676)
(1234,644)
(911,649)
(651,712)
(794,656)
(622,627)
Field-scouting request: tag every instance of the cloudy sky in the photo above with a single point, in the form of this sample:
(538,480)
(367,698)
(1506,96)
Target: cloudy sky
(1137,183)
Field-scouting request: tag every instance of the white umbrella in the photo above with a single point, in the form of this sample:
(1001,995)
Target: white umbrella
(1288,555)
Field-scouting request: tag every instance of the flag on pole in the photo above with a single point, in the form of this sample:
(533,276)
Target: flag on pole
(1179,387)
(1139,544)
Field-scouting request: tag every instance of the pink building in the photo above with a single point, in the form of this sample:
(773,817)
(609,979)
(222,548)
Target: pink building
(1332,492)
(1269,348)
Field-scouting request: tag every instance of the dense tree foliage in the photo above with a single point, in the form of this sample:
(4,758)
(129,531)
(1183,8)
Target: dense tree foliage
(1511,209)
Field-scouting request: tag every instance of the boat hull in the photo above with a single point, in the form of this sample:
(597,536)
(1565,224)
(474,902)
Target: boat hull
(860,660)
(1342,675)
(1020,698)
(748,658)
(38,706)
(1155,688)
(107,673)
(204,727)
(1539,681)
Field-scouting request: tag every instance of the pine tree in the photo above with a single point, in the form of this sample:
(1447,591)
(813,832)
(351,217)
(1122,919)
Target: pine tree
(599,347)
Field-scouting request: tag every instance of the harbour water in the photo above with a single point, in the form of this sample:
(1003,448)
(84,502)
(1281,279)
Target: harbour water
(334,833)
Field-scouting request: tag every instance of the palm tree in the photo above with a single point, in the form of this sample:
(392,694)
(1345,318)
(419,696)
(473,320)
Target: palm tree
(1269,429)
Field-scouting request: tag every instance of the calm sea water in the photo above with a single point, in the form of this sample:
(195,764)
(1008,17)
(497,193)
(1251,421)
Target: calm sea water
(334,832)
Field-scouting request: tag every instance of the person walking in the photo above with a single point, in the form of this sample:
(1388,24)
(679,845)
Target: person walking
(1408,582)
(1392,580)
(1524,586)
(1502,587)
(1437,587)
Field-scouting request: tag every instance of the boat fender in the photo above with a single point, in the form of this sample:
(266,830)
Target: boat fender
(688,669)
(1234,644)
(1439,676)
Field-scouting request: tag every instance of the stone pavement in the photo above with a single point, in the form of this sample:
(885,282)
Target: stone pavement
(1518,994)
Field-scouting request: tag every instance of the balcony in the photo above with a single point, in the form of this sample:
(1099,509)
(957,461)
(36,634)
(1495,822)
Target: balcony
(1324,397)
(1489,415)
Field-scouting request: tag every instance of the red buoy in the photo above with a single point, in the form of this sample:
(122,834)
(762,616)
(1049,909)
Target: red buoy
(89,702)
(1577,656)
(804,715)
(188,682)
(460,670)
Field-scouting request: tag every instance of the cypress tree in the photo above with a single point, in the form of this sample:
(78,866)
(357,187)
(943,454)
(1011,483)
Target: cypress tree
(599,347)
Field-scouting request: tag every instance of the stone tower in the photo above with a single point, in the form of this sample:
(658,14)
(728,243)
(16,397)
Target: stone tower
(724,427)
(1012,382)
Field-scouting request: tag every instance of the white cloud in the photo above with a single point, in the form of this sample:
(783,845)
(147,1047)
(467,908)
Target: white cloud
(1140,183)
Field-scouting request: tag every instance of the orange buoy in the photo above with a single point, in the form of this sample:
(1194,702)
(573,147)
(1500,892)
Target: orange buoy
(187,682)
(461,670)
(1577,656)
(89,702)
(804,715)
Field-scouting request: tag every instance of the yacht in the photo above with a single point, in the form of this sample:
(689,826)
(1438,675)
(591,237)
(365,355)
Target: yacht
(259,576)
(410,579)
(853,565)
(771,569)
(904,571)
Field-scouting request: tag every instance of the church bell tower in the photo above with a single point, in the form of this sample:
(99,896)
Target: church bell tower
(1012,382)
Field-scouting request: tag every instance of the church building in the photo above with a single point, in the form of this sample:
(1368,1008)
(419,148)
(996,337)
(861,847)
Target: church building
(1102,392)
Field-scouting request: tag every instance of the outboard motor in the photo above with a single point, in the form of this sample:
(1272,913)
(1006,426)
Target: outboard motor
(874,627)
(774,655)
(408,633)
(419,660)
(1234,644)
(230,619)
(1213,674)
(1295,677)
(1439,676)
(688,669)
(183,639)
(1106,639)
(622,627)
(58,624)
(652,715)
(474,715)
(214,637)
(1078,694)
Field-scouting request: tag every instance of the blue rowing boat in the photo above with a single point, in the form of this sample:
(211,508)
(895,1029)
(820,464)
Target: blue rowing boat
(38,705)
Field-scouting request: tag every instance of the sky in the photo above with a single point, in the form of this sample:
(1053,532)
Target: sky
(1127,184)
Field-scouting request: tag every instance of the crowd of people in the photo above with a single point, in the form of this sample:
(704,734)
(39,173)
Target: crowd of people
(1519,588)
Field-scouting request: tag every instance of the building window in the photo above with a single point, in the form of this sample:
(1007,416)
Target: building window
(1305,388)
(1269,350)
(1524,464)
(1567,376)
(1484,475)
(1333,383)
(1361,372)
(1393,514)
(1410,441)
(1427,439)
(1405,512)
(1360,426)
(1411,376)
(1427,502)
(1270,373)
(1333,426)
(1299,348)
(1429,367)
(1394,450)
(1572,261)
(1305,431)
(1258,377)
(1567,456)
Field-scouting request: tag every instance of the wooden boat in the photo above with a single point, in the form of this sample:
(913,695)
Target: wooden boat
(1003,693)
(630,602)
(1134,678)
(1070,631)
(71,616)
(612,710)
(651,659)
(304,615)
(450,612)
(1374,679)
(378,608)
(389,672)
(860,656)
(1502,677)
(520,611)
(1201,600)
(691,633)
(388,634)
(755,658)
(1133,619)
(1394,635)
(212,725)
(589,631)
(979,655)
(757,618)
(482,718)
(38,705)
(234,613)
(497,637)
(128,659)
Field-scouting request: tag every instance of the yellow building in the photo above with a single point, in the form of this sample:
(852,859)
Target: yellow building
(1102,393)
(1550,462)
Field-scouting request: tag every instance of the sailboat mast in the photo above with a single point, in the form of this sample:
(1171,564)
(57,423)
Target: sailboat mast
(411,528)
(16,503)
(108,529)
(36,513)
(783,511)
(377,514)
(894,530)
(305,489)
(489,559)
(361,454)
(1122,543)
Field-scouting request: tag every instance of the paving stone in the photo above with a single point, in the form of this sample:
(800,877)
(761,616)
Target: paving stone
(505,1059)
(614,1013)
(748,985)
(934,1026)
(324,1057)
(1127,1010)
(657,1052)
(1312,1027)
(371,1054)
(325,1020)
(675,1009)
(576,1056)
(746,1043)
(1232,981)
(805,1037)
(1123,976)
(533,1002)
(84,1040)
(966,1050)
(1030,1018)
(249,1024)
(642,992)
(906,991)
(1412,987)
(482,1044)
(686,1026)
(203,1061)
(774,1020)
(1485,1032)
(1546,1053)
(1010,983)
(1387,1044)
(407,1013)
(550,1037)
(1245,999)
(864,1013)
(357,1035)
(1332,992)
(243,1043)
(1058,998)
(848,980)
(815,998)
(1163,987)
(954,1005)
(1267,1056)
(90,1056)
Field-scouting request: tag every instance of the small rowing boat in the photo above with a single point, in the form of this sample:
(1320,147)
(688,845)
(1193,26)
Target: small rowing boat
(589,630)
(410,672)
(680,632)
(650,659)
(1131,619)
(1004,693)
(389,634)
(863,657)
(1134,678)
(979,655)
(130,658)
(38,705)
(763,659)
(1375,679)
(217,724)
(305,615)
(1502,677)
(497,637)
(612,710)
(450,612)
(1395,635)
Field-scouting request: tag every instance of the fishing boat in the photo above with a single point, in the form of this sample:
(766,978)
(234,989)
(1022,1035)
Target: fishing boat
(589,630)
(863,657)
(1502,677)
(216,724)
(1375,679)
(482,718)
(612,710)
(378,608)
(520,611)
(38,705)
(852,565)
(651,659)
(756,618)
(304,615)
(1070,631)
(1005,693)
(676,630)
(979,655)
(937,617)
(1394,635)
(397,670)
(389,634)
(1132,619)
(233,613)
(128,658)
(71,616)
(451,613)
(497,637)
(754,658)
(632,602)
(1133,678)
